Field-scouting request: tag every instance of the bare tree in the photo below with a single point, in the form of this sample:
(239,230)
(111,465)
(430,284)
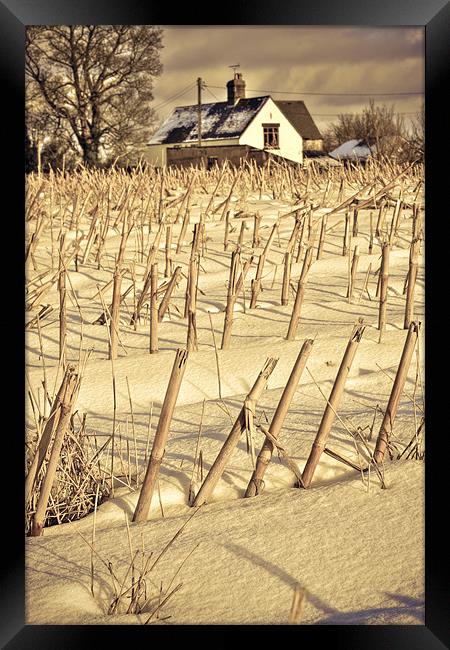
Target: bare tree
(94,82)
(379,126)
(417,134)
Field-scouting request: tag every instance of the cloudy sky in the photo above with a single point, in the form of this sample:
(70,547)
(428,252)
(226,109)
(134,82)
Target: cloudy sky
(323,66)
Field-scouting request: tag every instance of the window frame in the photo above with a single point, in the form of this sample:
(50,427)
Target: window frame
(275,129)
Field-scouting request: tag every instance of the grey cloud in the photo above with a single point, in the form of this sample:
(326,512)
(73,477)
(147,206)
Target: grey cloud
(294,59)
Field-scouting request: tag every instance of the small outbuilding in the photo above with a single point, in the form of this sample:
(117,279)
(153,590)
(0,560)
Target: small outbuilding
(353,150)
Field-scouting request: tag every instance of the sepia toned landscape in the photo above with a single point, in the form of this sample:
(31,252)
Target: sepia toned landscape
(225,404)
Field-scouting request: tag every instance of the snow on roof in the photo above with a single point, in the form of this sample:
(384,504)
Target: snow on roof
(219,120)
(352,149)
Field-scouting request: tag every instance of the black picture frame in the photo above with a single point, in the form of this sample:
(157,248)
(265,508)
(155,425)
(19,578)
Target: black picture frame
(434,15)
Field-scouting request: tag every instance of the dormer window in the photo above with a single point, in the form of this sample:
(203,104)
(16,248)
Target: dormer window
(271,136)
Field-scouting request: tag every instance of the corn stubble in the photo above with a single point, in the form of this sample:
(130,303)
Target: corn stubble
(66,468)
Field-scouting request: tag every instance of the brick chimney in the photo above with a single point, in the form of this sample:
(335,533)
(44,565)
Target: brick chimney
(236,89)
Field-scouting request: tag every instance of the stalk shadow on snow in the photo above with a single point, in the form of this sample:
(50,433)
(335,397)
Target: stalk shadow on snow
(279,573)
(408,606)
(60,567)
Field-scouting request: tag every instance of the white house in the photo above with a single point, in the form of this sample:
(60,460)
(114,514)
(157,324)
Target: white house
(235,129)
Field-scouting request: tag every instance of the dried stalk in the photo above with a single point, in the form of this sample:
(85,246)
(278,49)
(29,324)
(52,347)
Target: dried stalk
(256,283)
(62,303)
(384,277)
(323,230)
(232,440)
(412,276)
(355,222)
(191,303)
(168,267)
(396,392)
(65,407)
(286,278)
(168,294)
(226,231)
(216,355)
(353,271)
(114,323)
(161,435)
(345,244)
(256,483)
(301,287)
(332,406)
(256,224)
(44,443)
(154,309)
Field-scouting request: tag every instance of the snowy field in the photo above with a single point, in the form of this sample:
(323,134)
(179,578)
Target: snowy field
(351,550)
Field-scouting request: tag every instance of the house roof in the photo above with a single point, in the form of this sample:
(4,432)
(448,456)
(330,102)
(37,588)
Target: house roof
(352,150)
(300,118)
(220,120)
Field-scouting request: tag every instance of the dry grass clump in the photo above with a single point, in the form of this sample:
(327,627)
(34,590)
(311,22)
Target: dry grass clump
(132,588)
(78,476)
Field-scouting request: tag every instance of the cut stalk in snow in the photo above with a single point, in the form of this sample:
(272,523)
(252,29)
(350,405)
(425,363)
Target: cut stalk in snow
(364,287)
(332,406)
(91,235)
(114,323)
(296,310)
(240,240)
(380,219)
(353,271)
(153,251)
(161,435)
(232,440)
(231,299)
(168,294)
(168,267)
(226,231)
(214,192)
(115,307)
(345,244)
(323,230)
(355,222)
(46,438)
(235,285)
(256,483)
(396,392)
(300,239)
(154,309)
(192,304)
(62,303)
(371,234)
(228,199)
(286,278)
(412,276)
(65,407)
(384,277)
(294,234)
(256,224)
(256,284)
(184,226)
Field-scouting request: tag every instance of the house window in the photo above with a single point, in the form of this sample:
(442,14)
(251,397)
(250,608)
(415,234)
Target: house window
(271,136)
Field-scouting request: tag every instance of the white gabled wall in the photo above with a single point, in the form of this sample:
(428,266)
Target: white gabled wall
(291,142)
